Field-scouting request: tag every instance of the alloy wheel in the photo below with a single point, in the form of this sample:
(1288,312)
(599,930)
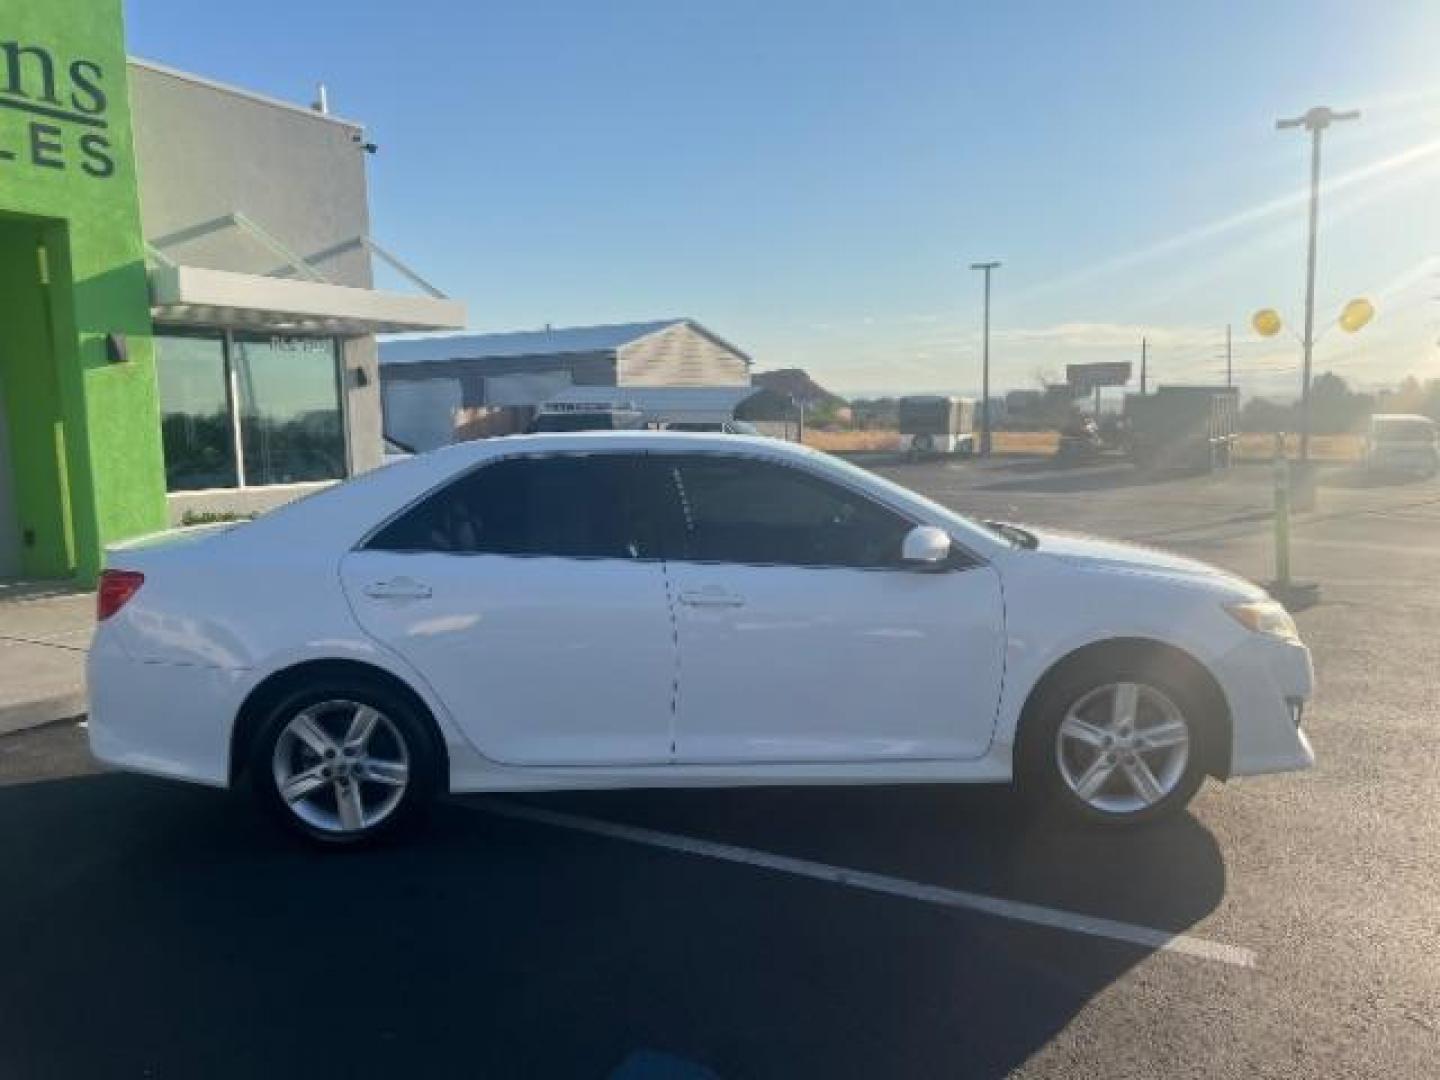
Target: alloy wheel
(341,766)
(1123,747)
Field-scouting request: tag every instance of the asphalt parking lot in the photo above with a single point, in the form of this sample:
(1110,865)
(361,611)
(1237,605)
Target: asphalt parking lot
(1287,926)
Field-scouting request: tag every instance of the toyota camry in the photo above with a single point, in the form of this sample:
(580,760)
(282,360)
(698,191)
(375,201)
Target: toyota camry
(641,609)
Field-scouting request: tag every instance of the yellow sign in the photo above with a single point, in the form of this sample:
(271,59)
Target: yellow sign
(1357,313)
(1266,322)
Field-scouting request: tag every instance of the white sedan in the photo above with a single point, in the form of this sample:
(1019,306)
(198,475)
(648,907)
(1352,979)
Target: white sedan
(641,609)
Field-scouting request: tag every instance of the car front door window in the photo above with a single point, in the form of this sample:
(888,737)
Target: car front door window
(736,510)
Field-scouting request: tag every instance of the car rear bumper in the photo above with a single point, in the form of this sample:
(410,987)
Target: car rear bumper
(169,720)
(1267,683)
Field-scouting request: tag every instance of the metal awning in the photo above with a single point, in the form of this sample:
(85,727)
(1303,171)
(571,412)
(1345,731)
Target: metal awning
(196,296)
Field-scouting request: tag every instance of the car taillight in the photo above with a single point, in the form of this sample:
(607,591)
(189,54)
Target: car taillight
(116,589)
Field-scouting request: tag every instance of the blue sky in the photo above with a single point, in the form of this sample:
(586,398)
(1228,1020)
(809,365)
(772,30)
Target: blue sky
(812,179)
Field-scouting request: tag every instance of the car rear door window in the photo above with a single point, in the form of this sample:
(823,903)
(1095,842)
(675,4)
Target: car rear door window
(740,510)
(574,506)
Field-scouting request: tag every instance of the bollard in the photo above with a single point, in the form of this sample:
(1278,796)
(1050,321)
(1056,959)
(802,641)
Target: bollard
(1282,515)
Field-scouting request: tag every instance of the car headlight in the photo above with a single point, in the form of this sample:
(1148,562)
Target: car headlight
(1267,617)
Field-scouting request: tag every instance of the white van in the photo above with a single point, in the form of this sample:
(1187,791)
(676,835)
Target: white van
(1402,442)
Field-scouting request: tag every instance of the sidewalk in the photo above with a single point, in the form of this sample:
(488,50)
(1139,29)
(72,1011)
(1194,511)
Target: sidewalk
(45,631)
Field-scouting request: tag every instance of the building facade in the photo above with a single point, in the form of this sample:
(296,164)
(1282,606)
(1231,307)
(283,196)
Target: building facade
(189,315)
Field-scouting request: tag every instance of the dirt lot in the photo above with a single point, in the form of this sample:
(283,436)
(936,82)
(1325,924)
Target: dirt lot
(1249,447)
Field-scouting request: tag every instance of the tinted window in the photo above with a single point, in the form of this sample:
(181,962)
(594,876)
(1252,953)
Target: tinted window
(195,425)
(290,425)
(568,506)
(734,510)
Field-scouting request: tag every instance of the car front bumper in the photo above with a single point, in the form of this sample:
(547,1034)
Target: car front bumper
(1267,683)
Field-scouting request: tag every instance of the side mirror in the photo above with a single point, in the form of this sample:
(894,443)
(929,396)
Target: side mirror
(925,547)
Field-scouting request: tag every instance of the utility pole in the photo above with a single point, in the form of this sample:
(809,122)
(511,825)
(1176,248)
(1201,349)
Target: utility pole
(985,368)
(1315,121)
(1144,356)
(1229,359)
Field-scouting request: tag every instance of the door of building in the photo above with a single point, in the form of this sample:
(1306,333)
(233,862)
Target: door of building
(34,538)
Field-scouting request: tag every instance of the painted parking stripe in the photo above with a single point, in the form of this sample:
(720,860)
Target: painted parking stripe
(1015,910)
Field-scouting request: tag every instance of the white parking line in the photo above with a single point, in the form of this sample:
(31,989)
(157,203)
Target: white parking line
(1015,910)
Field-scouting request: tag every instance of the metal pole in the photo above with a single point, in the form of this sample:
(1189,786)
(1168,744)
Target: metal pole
(1310,295)
(985,377)
(1229,366)
(985,363)
(1144,356)
(1315,121)
(1282,515)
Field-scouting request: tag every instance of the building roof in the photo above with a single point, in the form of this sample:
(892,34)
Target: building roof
(240,91)
(548,342)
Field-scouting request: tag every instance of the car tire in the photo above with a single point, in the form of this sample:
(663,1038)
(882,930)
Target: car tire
(346,763)
(1053,767)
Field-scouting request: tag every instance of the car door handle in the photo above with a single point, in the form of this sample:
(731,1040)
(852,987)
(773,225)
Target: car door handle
(401,588)
(711,598)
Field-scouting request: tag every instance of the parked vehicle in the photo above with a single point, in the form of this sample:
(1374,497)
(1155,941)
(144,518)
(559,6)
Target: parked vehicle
(609,610)
(395,450)
(932,425)
(1183,427)
(725,427)
(552,418)
(1079,441)
(1402,442)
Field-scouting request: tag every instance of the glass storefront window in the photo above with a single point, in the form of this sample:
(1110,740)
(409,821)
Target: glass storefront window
(290,425)
(195,424)
(284,412)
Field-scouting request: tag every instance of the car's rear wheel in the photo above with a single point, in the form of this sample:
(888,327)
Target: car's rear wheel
(1120,746)
(345,763)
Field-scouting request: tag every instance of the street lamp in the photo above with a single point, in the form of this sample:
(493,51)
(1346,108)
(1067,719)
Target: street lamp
(985,364)
(1315,121)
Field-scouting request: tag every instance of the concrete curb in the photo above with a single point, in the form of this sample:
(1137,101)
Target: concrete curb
(33,714)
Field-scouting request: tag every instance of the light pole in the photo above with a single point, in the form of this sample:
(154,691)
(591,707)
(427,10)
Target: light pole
(1315,121)
(985,364)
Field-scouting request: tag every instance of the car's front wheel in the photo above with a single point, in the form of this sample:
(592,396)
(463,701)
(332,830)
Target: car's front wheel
(345,763)
(1119,746)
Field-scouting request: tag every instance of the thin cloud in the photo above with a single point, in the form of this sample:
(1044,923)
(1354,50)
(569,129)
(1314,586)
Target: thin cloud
(1420,153)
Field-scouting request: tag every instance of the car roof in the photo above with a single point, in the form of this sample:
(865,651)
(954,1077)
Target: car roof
(550,442)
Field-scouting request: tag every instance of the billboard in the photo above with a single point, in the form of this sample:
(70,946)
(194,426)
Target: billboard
(1085,377)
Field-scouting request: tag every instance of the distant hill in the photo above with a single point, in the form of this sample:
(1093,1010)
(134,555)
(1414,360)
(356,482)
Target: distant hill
(795,384)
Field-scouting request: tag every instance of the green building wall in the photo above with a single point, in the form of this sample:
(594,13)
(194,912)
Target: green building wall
(85,431)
